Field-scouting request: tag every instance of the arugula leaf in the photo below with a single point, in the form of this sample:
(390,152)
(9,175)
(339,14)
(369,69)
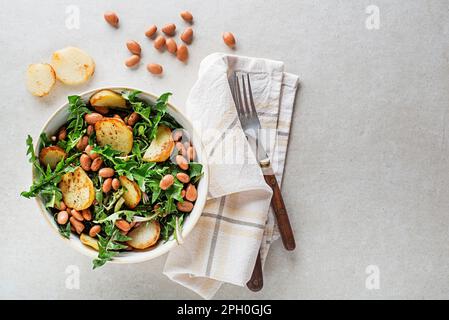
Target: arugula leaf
(136,150)
(52,194)
(30,149)
(170,122)
(44,140)
(127,214)
(32,156)
(169,224)
(65,230)
(153,185)
(112,200)
(131,96)
(108,154)
(46,182)
(195,171)
(108,246)
(144,110)
(175,191)
(76,124)
(161,107)
(151,115)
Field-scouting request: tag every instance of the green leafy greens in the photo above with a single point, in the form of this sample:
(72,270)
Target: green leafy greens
(156,204)
(46,182)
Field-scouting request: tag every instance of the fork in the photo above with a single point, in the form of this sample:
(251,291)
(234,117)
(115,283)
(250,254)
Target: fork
(250,122)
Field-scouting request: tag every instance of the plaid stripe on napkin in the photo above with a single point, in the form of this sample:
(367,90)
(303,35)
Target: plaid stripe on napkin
(237,220)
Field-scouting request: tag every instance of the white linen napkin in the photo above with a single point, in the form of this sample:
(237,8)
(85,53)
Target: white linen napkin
(237,220)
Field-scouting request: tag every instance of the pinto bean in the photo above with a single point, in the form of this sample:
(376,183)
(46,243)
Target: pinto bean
(78,226)
(96,164)
(85,162)
(78,216)
(92,118)
(182,53)
(90,130)
(155,68)
(107,185)
(169,29)
(82,143)
(181,149)
(191,153)
(166,182)
(133,118)
(87,215)
(187,16)
(183,177)
(185,206)
(132,61)
(229,39)
(172,47)
(91,154)
(115,184)
(62,217)
(159,43)
(122,225)
(62,134)
(191,193)
(187,35)
(134,47)
(111,18)
(182,162)
(94,231)
(60,206)
(177,135)
(151,31)
(106,172)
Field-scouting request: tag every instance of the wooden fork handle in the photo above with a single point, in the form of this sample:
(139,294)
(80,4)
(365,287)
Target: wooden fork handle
(277,202)
(256,281)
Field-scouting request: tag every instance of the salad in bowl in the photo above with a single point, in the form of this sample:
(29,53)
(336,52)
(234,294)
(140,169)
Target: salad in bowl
(120,173)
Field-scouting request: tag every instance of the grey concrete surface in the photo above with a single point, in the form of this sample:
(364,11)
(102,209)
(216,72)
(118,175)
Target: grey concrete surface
(367,176)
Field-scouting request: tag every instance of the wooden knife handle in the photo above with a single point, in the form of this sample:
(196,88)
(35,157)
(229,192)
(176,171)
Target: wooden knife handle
(256,281)
(280,212)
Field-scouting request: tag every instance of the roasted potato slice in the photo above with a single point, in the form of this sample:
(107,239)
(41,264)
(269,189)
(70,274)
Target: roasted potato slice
(161,147)
(132,193)
(145,235)
(72,65)
(40,79)
(51,156)
(89,241)
(77,189)
(115,133)
(108,98)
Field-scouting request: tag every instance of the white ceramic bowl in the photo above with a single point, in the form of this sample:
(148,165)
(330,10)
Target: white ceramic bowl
(60,117)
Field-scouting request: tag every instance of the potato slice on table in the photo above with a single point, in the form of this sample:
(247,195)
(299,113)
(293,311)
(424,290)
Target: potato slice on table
(132,193)
(72,65)
(51,156)
(161,147)
(40,79)
(77,189)
(145,235)
(89,241)
(108,98)
(115,133)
